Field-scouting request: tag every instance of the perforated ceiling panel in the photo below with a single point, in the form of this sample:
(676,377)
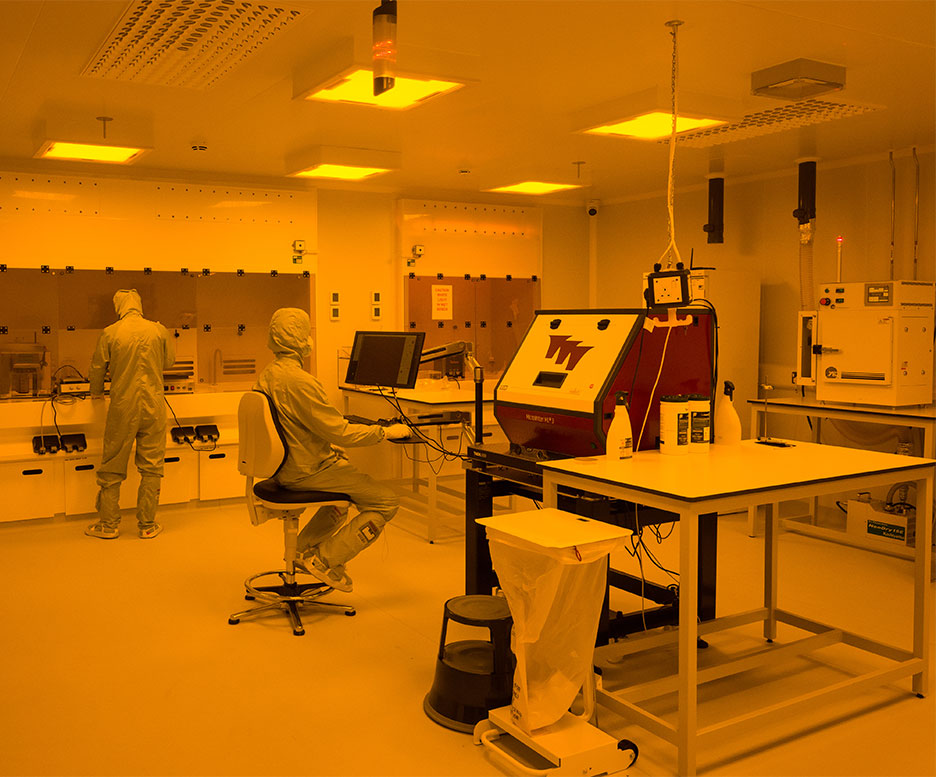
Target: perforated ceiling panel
(783,117)
(187,43)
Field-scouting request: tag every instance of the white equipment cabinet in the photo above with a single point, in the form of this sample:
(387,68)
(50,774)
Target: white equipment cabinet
(32,489)
(874,343)
(42,486)
(218,477)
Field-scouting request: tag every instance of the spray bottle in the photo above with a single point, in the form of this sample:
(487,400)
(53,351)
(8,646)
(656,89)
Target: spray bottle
(620,443)
(727,423)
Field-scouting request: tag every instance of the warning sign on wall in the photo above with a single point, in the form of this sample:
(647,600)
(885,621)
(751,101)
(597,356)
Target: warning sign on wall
(441,303)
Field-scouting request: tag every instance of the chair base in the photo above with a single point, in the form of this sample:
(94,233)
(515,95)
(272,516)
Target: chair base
(288,596)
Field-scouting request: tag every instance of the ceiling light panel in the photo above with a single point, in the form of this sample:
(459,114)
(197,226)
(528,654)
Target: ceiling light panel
(535,187)
(654,125)
(800,114)
(358,87)
(187,43)
(340,172)
(89,152)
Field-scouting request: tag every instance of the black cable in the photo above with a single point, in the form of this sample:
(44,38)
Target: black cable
(423,438)
(710,306)
(901,504)
(803,395)
(214,444)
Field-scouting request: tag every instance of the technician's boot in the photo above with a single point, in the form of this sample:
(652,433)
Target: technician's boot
(320,526)
(102,531)
(147,500)
(108,509)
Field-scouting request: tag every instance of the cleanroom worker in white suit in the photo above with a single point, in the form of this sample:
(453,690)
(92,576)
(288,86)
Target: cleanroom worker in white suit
(313,428)
(137,351)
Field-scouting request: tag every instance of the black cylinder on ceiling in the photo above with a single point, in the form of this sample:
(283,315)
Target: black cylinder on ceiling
(716,211)
(806,205)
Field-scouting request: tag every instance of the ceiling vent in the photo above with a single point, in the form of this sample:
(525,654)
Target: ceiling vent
(798,79)
(187,43)
(800,114)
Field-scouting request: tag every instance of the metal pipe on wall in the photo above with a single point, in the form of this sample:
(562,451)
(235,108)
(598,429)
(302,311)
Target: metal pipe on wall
(916,212)
(893,211)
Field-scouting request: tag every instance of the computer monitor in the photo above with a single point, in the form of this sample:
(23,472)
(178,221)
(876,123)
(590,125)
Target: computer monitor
(389,359)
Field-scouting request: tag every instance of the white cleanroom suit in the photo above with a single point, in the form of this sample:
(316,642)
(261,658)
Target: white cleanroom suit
(313,428)
(136,351)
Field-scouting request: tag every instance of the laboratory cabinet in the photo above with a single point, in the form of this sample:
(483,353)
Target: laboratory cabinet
(218,477)
(42,486)
(32,489)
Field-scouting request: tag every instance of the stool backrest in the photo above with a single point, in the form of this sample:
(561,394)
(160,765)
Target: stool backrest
(261,449)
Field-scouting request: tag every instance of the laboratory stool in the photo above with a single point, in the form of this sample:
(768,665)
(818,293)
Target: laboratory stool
(472,676)
(262,450)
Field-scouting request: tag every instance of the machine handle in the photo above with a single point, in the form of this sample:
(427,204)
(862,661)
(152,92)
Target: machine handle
(32,471)
(217,455)
(171,459)
(83,467)
(487,739)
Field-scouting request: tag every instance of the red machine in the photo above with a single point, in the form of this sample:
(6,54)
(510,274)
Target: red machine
(556,397)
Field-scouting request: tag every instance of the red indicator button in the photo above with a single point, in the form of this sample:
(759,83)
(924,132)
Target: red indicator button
(825,301)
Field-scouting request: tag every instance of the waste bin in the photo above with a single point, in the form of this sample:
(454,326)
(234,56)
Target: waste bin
(552,568)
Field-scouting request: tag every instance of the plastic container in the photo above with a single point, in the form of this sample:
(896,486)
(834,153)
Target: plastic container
(674,424)
(727,423)
(620,442)
(700,423)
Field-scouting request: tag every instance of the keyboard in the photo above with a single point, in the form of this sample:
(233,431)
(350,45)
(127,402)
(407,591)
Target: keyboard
(359,419)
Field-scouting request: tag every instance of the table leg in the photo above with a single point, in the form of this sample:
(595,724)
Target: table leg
(688,634)
(432,511)
(771,534)
(752,511)
(479,503)
(922,591)
(550,492)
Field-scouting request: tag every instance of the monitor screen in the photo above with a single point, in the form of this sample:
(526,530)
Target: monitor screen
(388,359)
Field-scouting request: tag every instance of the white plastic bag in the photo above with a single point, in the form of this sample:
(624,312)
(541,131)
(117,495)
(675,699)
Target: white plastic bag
(555,597)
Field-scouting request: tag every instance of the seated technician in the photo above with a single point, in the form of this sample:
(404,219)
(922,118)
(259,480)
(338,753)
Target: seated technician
(313,428)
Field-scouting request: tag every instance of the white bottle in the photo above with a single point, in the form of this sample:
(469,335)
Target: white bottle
(727,423)
(620,442)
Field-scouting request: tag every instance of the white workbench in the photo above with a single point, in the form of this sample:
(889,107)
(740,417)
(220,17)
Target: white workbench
(428,495)
(921,417)
(728,479)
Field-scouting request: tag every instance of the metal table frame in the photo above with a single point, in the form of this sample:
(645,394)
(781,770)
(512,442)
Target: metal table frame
(631,484)
(922,418)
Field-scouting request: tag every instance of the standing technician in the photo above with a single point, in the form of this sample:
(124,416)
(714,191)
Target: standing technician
(137,351)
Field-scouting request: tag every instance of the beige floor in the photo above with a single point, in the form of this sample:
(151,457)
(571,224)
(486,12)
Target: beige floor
(118,660)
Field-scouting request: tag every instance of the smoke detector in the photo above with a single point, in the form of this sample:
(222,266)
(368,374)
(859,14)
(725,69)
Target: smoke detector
(797,79)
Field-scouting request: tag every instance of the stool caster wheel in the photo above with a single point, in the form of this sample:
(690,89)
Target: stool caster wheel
(249,598)
(626,744)
(299,633)
(701,644)
(233,621)
(349,613)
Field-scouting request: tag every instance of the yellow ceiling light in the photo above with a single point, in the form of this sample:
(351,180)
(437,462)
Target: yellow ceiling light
(89,152)
(647,115)
(341,164)
(535,187)
(344,74)
(340,172)
(358,87)
(654,125)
